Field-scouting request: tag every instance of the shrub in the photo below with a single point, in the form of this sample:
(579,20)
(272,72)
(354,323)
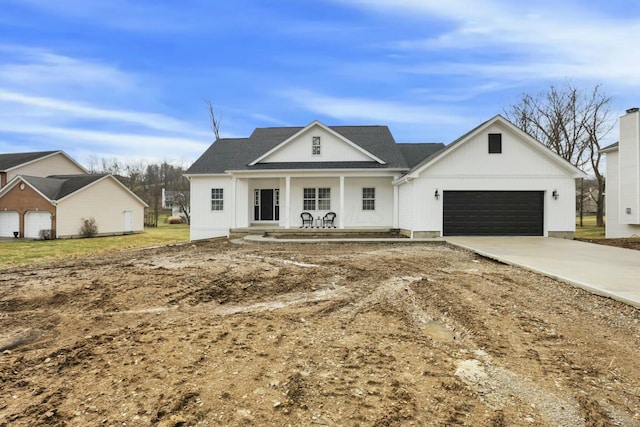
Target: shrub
(89,227)
(46,234)
(174,220)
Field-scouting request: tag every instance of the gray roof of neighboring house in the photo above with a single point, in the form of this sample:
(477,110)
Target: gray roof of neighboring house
(11,160)
(611,147)
(56,187)
(237,153)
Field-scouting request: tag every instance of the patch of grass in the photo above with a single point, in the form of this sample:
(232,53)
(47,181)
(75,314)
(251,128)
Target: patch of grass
(589,229)
(27,251)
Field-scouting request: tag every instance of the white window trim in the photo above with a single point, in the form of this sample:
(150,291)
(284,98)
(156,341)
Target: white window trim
(373,199)
(317,199)
(316,146)
(220,200)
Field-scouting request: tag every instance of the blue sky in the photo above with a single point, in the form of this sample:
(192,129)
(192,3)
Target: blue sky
(126,79)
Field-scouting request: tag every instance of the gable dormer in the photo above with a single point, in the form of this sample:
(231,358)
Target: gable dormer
(317,143)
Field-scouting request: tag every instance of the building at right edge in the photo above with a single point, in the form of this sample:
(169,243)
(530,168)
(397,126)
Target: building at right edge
(623,179)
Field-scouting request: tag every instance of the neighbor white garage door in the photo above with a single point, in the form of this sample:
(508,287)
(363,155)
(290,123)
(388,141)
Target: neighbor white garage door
(34,222)
(9,222)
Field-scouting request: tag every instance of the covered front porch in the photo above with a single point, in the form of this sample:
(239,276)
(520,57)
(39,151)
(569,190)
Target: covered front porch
(362,201)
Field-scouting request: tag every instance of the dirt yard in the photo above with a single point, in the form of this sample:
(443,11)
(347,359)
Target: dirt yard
(223,333)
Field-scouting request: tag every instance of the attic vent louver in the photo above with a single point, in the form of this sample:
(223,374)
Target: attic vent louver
(633,110)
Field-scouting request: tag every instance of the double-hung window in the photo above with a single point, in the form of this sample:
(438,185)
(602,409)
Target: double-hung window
(368,199)
(316,199)
(217,199)
(309,202)
(324,199)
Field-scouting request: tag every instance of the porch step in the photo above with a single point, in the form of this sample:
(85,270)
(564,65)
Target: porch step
(336,234)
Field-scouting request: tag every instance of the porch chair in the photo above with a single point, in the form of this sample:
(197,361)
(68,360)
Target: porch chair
(327,220)
(307,219)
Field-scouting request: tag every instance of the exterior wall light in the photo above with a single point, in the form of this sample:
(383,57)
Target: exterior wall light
(436,194)
(555,194)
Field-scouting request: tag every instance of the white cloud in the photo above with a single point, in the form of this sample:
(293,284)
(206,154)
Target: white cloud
(368,110)
(533,40)
(62,101)
(83,111)
(34,68)
(119,143)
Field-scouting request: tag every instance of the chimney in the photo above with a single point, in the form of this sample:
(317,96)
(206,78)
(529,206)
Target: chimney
(629,164)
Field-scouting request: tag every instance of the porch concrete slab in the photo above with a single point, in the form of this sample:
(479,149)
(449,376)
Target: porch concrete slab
(604,270)
(255,238)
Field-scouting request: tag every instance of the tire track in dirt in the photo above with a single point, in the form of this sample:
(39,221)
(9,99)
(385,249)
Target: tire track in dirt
(220,334)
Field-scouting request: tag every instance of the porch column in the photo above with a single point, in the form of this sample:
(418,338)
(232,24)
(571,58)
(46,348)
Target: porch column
(396,207)
(287,201)
(234,222)
(341,210)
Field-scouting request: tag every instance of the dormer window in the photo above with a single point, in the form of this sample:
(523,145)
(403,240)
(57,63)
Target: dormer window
(315,146)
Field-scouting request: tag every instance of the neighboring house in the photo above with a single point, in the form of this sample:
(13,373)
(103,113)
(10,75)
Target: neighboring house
(623,179)
(589,197)
(171,199)
(494,180)
(57,203)
(43,163)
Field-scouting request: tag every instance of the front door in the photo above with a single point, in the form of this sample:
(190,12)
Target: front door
(266,206)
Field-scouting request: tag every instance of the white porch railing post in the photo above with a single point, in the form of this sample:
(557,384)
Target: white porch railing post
(341,210)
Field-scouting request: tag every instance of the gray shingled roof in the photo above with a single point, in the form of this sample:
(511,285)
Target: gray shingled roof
(56,187)
(11,160)
(414,153)
(236,153)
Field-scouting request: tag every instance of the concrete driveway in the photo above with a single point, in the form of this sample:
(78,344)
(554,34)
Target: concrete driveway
(603,270)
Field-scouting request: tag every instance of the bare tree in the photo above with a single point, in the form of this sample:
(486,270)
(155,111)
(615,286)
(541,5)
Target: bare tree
(570,121)
(183,202)
(215,122)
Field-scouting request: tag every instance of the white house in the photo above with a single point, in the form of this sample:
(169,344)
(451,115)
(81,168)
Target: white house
(494,180)
(623,179)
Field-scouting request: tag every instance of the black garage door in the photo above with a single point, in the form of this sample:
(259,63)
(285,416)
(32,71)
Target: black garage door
(493,213)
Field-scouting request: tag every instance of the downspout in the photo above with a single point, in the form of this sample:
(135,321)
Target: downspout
(55,216)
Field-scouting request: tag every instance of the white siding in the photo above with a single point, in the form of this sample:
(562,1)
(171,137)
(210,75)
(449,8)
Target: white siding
(297,192)
(405,210)
(613,227)
(54,165)
(629,169)
(206,223)
(107,202)
(382,216)
(518,159)
(470,167)
(332,149)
